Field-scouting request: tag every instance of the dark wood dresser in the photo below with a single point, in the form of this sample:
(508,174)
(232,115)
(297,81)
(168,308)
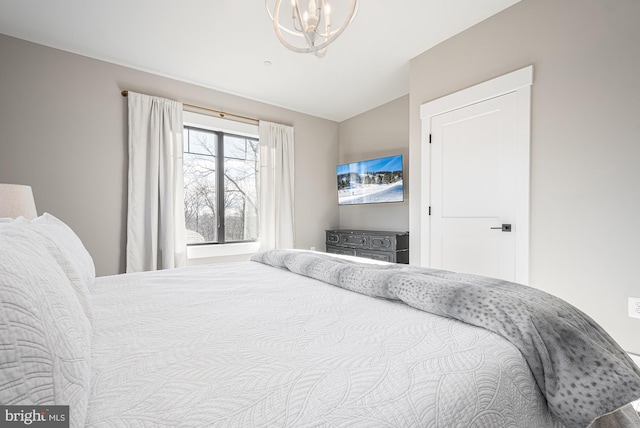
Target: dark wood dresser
(373,244)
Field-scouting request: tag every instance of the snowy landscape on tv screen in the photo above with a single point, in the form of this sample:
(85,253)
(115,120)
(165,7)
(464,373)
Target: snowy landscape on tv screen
(371,181)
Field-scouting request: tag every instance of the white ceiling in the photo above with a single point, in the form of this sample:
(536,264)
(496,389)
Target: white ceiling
(223,44)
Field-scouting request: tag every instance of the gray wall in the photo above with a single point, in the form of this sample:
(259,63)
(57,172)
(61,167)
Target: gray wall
(63,130)
(585,153)
(380,132)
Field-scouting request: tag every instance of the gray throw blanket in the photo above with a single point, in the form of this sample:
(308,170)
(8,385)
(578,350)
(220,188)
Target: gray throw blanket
(581,371)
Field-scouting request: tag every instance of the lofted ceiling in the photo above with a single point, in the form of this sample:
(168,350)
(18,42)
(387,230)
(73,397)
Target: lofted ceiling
(224,44)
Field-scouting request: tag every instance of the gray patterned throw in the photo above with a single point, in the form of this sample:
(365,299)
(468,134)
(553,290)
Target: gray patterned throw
(581,371)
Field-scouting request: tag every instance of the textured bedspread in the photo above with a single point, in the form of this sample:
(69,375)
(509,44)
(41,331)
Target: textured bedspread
(245,344)
(581,371)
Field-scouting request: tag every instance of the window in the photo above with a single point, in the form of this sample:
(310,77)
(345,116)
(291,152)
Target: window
(220,186)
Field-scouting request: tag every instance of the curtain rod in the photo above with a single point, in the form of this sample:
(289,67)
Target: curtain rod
(218,112)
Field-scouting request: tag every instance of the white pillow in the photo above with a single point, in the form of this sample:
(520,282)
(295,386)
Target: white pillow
(70,242)
(44,332)
(65,246)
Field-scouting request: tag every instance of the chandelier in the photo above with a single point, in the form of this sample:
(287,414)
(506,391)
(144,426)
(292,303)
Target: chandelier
(311,23)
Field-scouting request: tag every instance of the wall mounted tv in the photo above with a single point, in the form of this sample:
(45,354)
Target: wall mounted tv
(371,181)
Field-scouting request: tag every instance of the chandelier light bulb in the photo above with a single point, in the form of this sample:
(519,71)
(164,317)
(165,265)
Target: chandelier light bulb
(327,16)
(312,24)
(312,7)
(311,18)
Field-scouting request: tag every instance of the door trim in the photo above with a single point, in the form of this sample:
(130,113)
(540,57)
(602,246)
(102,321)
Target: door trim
(520,82)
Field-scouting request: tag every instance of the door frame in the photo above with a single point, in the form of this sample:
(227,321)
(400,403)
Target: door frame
(520,82)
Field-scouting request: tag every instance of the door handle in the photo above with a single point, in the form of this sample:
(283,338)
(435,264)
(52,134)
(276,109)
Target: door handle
(505,227)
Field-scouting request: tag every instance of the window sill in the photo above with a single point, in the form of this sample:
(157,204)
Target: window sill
(206,251)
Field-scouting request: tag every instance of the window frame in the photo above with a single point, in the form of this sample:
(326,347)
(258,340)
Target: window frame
(220,127)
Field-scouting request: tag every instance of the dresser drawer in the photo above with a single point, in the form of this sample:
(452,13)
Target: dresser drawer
(354,240)
(382,242)
(377,255)
(333,238)
(341,250)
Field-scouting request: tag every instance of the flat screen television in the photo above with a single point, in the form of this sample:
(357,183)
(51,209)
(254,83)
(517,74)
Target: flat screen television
(371,181)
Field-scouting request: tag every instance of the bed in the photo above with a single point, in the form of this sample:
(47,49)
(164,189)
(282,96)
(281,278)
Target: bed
(295,339)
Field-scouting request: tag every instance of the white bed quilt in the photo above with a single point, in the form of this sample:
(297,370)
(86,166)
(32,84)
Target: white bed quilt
(244,344)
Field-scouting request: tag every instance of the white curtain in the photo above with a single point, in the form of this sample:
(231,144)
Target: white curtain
(276,186)
(155,218)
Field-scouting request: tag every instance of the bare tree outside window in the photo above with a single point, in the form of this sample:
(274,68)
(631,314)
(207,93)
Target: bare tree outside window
(214,212)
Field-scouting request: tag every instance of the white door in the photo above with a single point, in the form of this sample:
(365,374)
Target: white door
(474,188)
